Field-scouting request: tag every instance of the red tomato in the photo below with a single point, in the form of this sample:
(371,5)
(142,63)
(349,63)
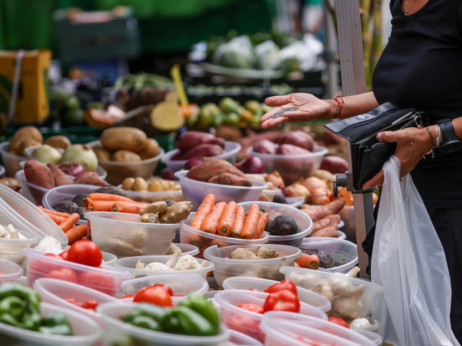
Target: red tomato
(127,296)
(91,304)
(251,307)
(165,288)
(64,255)
(75,302)
(52,255)
(99,281)
(339,321)
(245,325)
(65,274)
(153,295)
(85,252)
(42,267)
(282,286)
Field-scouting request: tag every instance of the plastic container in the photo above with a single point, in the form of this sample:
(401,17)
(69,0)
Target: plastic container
(318,324)
(108,258)
(195,190)
(115,330)
(285,332)
(245,321)
(244,283)
(344,252)
(292,167)
(303,221)
(118,171)
(22,214)
(106,280)
(10,161)
(188,249)
(150,197)
(11,249)
(57,291)
(129,264)
(190,235)
(296,202)
(226,267)
(66,193)
(86,332)
(375,338)
(231,149)
(373,293)
(179,283)
(2,171)
(9,271)
(238,339)
(32,192)
(340,235)
(122,235)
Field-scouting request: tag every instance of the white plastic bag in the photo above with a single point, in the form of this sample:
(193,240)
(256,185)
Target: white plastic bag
(408,261)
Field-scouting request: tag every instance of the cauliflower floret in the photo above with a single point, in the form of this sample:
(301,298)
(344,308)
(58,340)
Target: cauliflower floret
(187,262)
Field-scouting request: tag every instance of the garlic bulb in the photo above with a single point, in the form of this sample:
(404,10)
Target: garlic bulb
(360,323)
(342,285)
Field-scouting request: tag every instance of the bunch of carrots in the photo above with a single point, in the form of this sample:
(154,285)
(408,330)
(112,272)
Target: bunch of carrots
(67,223)
(113,203)
(229,220)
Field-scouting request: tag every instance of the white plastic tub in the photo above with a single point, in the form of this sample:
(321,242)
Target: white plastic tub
(108,258)
(9,271)
(188,249)
(231,149)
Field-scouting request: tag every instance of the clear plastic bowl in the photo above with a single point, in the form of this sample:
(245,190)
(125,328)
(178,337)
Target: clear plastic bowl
(201,239)
(270,193)
(319,302)
(116,331)
(231,149)
(17,210)
(106,280)
(344,252)
(10,161)
(11,249)
(32,192)
(340,235)
(226,267)
(303,221)
(129,264)
(66,193)
(9,271)
(296,202)
(195,190)
(374,337)
(108,258)
(318,324)
(57,291)
(86,332)
(150,197)
(240,339)
(2,171)
(373,293)
(245,321)
(188,249)
(118,171)
(122,235)
(284,332)
(292,167)
(181,284)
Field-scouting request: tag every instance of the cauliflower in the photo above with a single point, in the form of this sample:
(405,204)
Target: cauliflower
(187,262)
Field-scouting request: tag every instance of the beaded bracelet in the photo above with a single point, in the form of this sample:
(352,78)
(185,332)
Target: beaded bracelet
(340,104)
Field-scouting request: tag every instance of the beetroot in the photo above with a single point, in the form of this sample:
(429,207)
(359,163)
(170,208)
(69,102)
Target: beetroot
(192,162)
(251,165)
(265,146)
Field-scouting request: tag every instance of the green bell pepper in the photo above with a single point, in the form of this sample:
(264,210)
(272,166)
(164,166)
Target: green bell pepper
(202,306)
(183,320)
(56,323)
(19,306)
(148,310)
(145,322)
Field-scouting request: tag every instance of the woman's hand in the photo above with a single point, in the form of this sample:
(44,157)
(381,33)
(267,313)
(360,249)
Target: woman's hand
(308,107)
(411,145)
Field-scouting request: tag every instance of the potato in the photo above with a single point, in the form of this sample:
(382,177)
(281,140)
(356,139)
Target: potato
(125,156)
(155,186)
(298,138)
(61,142)
(26,132)
(25,143)
(139,184)
(290,149)
(124,138)
(334,164)
(127,184)
(102,154)
(203,150)
(150,150)
(265,146)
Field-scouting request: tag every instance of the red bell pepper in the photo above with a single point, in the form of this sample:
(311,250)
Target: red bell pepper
(282,301)
(251,307)
(281,286)
(339,321)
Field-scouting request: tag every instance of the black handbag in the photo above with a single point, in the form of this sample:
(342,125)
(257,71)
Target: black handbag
(367,154)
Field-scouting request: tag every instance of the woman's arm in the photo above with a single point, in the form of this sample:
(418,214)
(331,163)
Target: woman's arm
(309,107)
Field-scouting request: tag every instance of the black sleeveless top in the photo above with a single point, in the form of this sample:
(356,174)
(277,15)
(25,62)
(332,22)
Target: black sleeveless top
(421,67)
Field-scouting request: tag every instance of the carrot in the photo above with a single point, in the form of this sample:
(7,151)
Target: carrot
(108,197)
(76,233)
(98,205)
(69,222)
(204,209)
(308,261)
(210,223)
(250,222)
(261,224)
(225,226)
(128,207)
(57,219)
(54,212)
(238,222)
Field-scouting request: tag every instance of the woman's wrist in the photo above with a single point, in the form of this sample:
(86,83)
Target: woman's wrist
(333,110)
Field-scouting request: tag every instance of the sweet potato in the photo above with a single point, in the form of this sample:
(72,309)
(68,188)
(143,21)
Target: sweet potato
(298,138)
(203,150)
(334,164)
(39,174)
(265,146)
(330,232)
(328,221)
(290,149)
(60,177)
(230,179)
(90,178)
(191,139)
(212,167)
(319,212)
(275,179)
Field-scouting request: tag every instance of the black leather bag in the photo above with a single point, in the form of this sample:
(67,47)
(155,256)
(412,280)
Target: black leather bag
(367,154)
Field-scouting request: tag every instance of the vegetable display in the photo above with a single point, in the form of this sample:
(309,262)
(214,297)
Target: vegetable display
(67,223)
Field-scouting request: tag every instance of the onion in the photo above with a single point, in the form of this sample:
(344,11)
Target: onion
(192,162)
(251,165)
(72,168)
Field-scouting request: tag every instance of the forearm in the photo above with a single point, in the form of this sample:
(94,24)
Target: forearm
(353,105)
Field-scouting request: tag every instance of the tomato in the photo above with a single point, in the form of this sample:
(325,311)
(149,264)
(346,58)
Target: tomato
(153,295)
(65,274)
(251,307)
(165,288)
(245,325)
(52,255)
(282,286)
(339,321)
(75,302)
(64,255)
(91,304)
(99,281)
(127,296)
(85,252)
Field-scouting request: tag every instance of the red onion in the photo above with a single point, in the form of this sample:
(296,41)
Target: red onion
(251,165)
(72,168)
(167,174)
(191,163)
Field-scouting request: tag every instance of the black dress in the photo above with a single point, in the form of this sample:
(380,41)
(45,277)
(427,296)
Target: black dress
(421,67)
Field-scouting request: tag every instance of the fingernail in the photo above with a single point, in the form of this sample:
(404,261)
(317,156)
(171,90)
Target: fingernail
(379,136)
